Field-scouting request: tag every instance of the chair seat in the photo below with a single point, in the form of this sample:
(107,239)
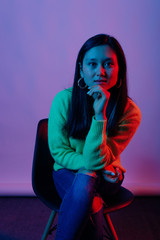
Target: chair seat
(121,199)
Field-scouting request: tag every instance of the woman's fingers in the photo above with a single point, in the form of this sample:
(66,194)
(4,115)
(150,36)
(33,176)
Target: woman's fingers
(113,177)
(96,95)
(120,173)
(110,173)
(101,98)
(97,91)
(110,179)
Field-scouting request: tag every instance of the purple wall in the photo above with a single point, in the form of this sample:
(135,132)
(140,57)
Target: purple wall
(39,42)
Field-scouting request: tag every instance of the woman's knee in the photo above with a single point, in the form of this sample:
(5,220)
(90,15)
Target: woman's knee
(97,204)
(84,187)
(88,172)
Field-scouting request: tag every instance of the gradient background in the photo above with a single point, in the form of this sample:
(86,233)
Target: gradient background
(39,42)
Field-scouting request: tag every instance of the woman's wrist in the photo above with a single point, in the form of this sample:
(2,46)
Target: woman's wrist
(100,117)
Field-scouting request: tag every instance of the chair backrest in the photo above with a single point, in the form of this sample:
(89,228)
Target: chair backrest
(42,181)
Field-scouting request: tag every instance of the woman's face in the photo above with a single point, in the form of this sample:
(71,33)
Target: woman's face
(100,67)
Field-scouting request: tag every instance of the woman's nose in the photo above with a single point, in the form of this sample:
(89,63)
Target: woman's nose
(101,71)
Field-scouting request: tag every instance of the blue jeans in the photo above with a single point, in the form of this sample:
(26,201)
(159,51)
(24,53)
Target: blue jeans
(77,191)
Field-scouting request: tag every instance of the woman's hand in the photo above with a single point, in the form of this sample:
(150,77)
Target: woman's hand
(113,176)
(101,97)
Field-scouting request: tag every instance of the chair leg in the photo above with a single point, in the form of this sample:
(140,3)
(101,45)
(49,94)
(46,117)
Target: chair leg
(113,234)
(49,225)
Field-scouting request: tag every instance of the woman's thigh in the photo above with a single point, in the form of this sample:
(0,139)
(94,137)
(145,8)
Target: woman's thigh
(63,180)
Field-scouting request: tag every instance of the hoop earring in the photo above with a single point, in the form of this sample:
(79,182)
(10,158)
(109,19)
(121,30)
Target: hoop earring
(82,87)
(120,83)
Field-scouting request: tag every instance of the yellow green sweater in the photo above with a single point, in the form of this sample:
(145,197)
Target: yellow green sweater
(98,150)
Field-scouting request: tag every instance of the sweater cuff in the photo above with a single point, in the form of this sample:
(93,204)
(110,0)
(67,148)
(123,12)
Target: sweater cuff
(99,120)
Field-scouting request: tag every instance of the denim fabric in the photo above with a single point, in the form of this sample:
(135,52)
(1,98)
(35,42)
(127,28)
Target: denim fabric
(77,191)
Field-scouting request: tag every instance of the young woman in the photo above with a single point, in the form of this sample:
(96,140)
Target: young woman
(89,126)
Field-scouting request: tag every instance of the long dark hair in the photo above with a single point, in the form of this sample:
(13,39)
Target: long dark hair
(81,107)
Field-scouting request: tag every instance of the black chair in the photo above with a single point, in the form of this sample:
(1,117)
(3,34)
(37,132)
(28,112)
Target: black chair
(45,190)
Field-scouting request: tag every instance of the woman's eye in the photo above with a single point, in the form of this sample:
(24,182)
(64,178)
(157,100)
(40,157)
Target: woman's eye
(92,64)
(108,64)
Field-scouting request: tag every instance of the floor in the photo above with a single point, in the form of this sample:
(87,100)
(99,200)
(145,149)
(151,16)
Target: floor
(24,218)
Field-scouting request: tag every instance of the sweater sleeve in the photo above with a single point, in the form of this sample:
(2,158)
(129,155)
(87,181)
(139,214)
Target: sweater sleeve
(58,141)
(99,150)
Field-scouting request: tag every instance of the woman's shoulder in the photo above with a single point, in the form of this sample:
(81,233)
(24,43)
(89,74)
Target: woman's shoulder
(132,110)
(65,93)
(61,102)
(63,97)
(131,105)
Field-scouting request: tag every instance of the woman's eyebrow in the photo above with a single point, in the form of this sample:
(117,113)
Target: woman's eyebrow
(108,59)
(91,59)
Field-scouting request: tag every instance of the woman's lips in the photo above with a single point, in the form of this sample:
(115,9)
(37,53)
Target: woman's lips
(101,81)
